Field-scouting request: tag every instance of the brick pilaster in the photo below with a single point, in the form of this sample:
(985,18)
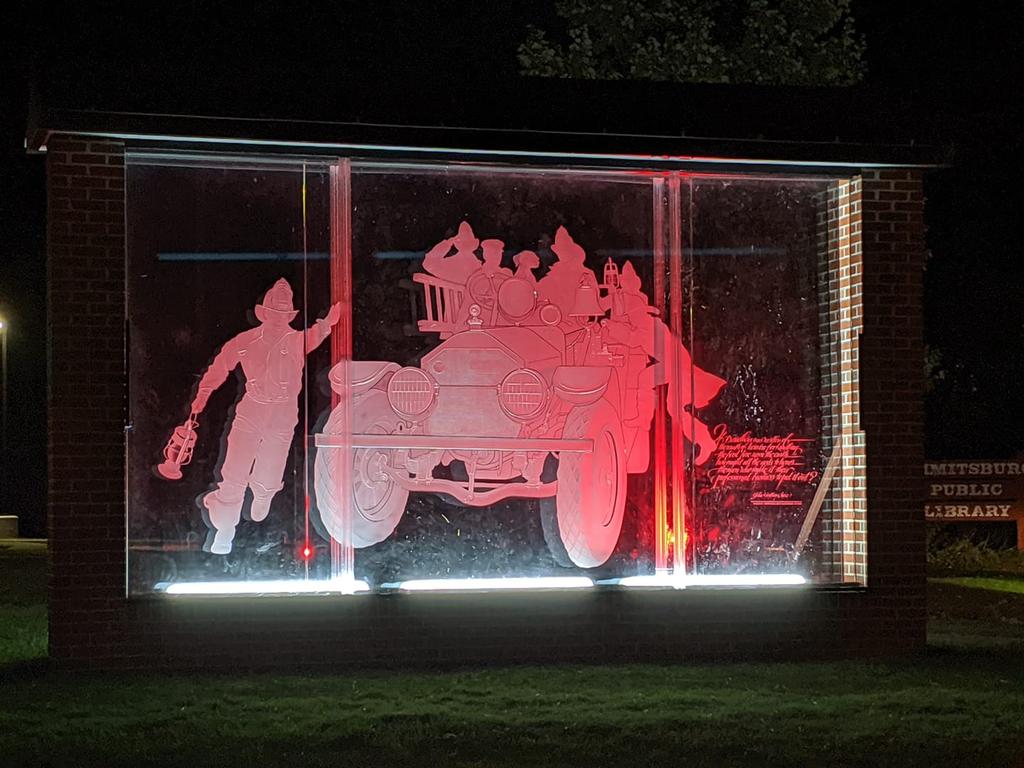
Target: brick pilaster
(892,386)
(86,397)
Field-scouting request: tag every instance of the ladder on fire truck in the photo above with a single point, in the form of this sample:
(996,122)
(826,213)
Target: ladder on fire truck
(442,300)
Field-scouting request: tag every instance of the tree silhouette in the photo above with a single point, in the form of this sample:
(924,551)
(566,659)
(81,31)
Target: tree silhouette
(768,42)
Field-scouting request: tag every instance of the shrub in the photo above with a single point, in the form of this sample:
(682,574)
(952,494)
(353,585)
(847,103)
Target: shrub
(964,555)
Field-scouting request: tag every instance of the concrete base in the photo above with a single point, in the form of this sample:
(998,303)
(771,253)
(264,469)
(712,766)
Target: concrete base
(8,526)
(446,630)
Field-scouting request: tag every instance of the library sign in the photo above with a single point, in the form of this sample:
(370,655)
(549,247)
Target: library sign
(974,490)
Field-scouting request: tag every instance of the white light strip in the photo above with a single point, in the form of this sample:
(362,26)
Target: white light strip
(539,582)
(743,580)
(277,587)
(709,580)
(651,159)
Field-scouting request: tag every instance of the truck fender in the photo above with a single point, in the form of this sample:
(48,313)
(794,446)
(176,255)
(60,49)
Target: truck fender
(363,375)
(581,384)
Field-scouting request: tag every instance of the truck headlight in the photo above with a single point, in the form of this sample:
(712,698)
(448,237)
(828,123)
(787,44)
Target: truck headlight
(411,392)
(523,394)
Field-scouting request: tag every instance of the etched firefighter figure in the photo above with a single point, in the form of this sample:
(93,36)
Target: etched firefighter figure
(539,389)
(272,356)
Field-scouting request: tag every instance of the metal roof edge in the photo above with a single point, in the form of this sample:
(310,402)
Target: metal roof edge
(628,148)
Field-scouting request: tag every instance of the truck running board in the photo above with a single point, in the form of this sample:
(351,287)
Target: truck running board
(455,443)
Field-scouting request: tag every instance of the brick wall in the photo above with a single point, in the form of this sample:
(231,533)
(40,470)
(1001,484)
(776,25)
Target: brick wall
(92,624)
(892,383)
(841,318)
(87,396)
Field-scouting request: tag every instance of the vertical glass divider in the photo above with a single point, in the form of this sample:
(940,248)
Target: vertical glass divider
(306,551)
(679,530)
(661,526)
(343,551)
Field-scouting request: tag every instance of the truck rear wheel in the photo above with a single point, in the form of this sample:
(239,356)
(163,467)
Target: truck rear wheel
(591,497)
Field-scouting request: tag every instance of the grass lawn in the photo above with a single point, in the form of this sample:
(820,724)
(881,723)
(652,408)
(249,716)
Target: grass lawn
(22,602)
(1015,586)
(960,704)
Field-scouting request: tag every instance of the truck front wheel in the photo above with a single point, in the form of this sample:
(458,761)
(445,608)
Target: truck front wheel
(591,497)
(377,502)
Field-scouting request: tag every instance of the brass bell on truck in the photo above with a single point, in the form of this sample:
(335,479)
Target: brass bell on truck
(586,303)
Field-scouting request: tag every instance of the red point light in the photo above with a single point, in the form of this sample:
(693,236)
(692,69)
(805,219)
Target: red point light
(307,552)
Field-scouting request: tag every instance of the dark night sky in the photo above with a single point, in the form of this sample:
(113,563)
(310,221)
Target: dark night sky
(966,58)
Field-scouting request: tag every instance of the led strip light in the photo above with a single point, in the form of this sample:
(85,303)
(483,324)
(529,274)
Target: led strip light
(538,582)
(348,587)
(275,587)
(710,580)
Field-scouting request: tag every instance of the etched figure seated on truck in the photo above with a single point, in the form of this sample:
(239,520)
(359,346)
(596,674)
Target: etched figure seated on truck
(454,267)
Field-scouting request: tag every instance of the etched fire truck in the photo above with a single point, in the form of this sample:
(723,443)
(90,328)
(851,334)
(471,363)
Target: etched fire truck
(533,392)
